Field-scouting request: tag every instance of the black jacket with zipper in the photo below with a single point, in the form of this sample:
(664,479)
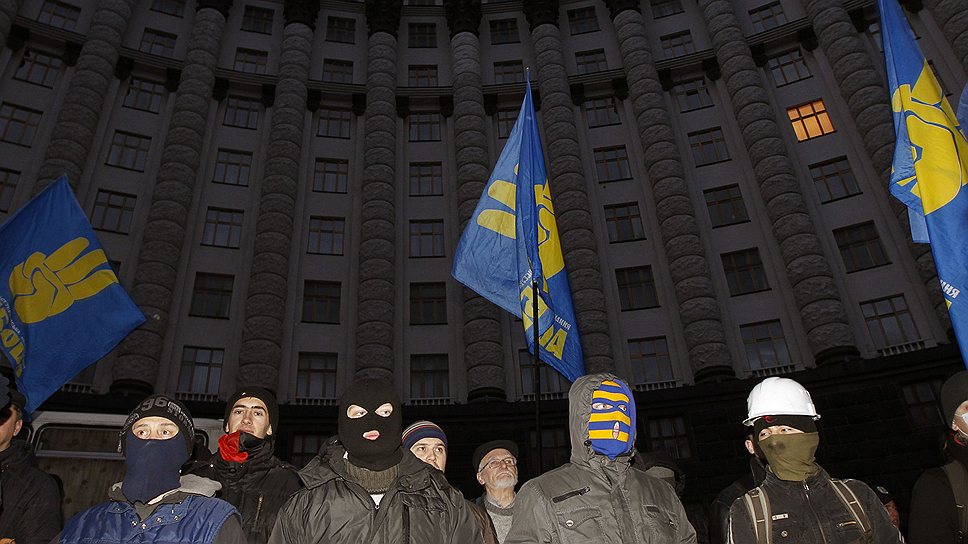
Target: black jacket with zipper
(31,508)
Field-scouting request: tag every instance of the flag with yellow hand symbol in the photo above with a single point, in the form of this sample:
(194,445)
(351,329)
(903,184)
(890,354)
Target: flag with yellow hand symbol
(930,167)
(61,306)
(512,240)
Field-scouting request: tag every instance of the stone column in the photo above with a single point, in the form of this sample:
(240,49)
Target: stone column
(139,355)
(73,135)
(8,12)
(702,324)
(952,17)
(483,352)
(568,186)
(817,297)
(375,354)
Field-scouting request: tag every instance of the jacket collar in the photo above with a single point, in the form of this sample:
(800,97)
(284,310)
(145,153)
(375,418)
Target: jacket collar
(329,464)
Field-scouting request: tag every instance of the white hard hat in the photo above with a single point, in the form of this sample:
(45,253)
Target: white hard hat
(779,397)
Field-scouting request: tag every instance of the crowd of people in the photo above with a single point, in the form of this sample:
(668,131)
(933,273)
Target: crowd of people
(375,482)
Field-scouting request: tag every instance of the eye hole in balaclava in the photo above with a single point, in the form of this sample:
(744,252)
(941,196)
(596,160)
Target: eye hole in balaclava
(375,451)
(611,424)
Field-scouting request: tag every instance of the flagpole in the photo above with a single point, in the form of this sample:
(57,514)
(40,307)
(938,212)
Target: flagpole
(535,372)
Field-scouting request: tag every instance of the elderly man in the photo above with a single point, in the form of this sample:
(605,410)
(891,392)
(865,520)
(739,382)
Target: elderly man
(496,463)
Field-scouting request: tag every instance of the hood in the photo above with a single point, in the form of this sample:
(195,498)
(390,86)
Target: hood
(19,454)
(579,410)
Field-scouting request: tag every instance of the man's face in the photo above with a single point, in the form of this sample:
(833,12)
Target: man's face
(249,415)
(498,470)
(431,451)
(10,428)
(959,423)
(154,428)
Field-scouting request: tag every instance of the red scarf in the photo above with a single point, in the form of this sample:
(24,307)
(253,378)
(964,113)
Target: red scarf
(228,448)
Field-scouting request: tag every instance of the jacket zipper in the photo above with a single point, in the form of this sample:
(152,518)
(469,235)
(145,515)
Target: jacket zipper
(258,510)
(806,494)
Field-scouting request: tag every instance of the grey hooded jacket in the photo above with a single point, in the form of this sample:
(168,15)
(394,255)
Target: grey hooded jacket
(593,499)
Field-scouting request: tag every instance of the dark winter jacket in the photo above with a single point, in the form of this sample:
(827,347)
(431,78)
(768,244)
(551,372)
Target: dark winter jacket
(484,522)
(934,516)
(593,499)
(419,508)
(719,517)
(188,516)
(257,488)
(31,509)
(810,512)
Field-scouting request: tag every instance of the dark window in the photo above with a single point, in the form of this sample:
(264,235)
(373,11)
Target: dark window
(257,20)
(649,358)
(129,151)
(337,71)
(251,61)
(241,112)
(810,120)
(788,67)
(429,377)
(321,300)
(59,14)
(766,347)
(232,167)
(334,123)
(583,20)
(331,175)
(424,127)
(201,370)
(692,95)
(170,7)
(860,247)
(157,42)
(677,44)
(592,61)
(509,71)
(17,124)
(428,303)
(340,29)
(612,163)
(8,186)
(600,112)
(316,376)
(708,146)
(937,75)
(326,235)
(305,446)
(923,406)
(665,8)
(636,288)
(505,122)
(889,321)
(426,179)
(144,95)
(113,211)
(834,179)
(726,206)
(427,238)
(744,272)
(39,68)
(624,222)
(555,445)
(212,296)
(553,384)
(422,35)
(767,16)
(504,31)
(223,228)
(422,75)
(669,434)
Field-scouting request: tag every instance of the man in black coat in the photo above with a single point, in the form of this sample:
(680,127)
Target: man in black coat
(253,480)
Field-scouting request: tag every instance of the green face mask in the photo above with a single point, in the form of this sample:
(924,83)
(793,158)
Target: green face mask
(791,456)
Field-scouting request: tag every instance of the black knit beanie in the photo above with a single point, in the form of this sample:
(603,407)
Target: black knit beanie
(953,393)
(266,396)
(166,407)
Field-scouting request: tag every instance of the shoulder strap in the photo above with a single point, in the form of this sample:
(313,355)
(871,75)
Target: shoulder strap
(958,478)
(758,505)
(847,496)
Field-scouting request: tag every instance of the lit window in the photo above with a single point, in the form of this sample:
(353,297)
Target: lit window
(144,95)
(257,20)
(340,29)
(201,370)
(592,61)
(504,31)
(860,247)
(692,95)
(422,35)
(511,71)
(424,127)
(600,112)
(810,120)
(326,235)
(649,358)
(767,16)
(583,20)
(889,321)
(331,175)
(678,44)
(422,75)
(129,151)
(334,123)
(59,14)
(169,7)
(766,347)
(8,186)
(232,167)
(744,272)
(624,222)
(212,295)
(428,304)
(113,211)
(223,228)
(39,68)
(669,435)
(157,42)
(251,61)
(665,8)
(429,377)
(788,67)
(316,376)
(241,112)
(321,301)
(505,122)
(708,146)
(726,206)
(427,238)
(426,179)
(18,125)
(612,164)
(834,180)
(636,288)
(337,71)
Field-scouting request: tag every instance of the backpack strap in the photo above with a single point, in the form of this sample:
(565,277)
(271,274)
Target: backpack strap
(758,506)
(958,478)
(847,496)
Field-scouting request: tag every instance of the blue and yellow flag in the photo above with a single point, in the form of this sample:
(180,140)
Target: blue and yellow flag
(61,306)
(930,162)
(512,239)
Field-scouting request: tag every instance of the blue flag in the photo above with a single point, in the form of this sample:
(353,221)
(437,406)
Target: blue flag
(61,306)
(930,162)
(512,240)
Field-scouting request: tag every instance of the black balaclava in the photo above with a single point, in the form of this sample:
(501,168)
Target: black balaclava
(385,451)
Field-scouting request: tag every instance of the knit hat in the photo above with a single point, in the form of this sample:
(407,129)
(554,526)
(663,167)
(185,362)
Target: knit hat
(420,430)
(953,393)
(481,452)
(803,423)
(266,396)
(166,407)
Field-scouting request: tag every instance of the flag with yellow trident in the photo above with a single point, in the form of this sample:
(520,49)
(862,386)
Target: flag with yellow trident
(61,306)
(930,162)
(512,241)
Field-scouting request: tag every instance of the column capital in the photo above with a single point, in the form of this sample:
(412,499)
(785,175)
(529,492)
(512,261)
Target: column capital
(383,16)
(301,11)
(618,6)
(463,16)
(222,6)
(540,12)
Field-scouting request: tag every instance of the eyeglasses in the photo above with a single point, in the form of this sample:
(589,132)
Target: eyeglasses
(496,463)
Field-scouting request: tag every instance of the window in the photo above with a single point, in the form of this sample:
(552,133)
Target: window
(555,444)
(708,146)
(241,112)
(212,296)
(233,167)
(223,228)
(923,401)
(744,272)
(889,321)
(316,376)
(170,7)
(504,31)
(505,122)
(726,206)
(875,33)
(636,288)
(331,175)
(257,20)
(59,14)
(788,67)
(305,446)
(326,235)
(338,71)
(334,123)
(553,384)
(429,377)
(692,95)
(201,370)
(427,238)
(426,179)
(766,347)
(937,76)
(8,186)
(665,8)
(428,304)
(612,163)
(669,434)
(340,29)
(144,95)
(321,302)
(583,20)
(422,75)
(422,35)
(678,44)
(39,68)
(113,211)
(860,247)
(834,180)
(157,42)
(17,124)
(592,61)
(424,127)
(251,61)
(129,151)
(509,71)
(810,120)
(767,16)
(624,222)
(650,361)
(600,112)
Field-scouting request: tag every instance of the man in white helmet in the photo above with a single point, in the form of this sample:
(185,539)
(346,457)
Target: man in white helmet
(798,501)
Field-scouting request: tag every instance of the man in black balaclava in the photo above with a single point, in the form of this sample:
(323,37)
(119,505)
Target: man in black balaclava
(370,488)
(253,479)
